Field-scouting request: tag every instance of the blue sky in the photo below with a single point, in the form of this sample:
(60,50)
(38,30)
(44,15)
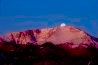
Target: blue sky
(18,15)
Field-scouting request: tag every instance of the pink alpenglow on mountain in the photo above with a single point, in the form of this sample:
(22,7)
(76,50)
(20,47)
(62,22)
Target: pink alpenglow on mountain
(57,35)
(21,37)
(60,45)
(72,39)
(66,36)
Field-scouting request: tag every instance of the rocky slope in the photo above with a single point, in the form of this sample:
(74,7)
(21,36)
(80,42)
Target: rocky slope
(56,35)
(70,38)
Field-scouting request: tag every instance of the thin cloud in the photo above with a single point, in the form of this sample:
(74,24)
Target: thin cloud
(31,16)
(32,23)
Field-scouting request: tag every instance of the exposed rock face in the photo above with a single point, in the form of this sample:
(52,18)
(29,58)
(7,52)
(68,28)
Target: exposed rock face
(21,37)
(56,35)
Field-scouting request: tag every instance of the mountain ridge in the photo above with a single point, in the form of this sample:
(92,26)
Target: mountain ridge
(62,45)
(57,35)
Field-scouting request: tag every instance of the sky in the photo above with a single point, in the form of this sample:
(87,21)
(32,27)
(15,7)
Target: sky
(19,15)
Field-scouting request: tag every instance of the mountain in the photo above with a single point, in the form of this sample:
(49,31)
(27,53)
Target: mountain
(60,45)
(57,35)
(68,37)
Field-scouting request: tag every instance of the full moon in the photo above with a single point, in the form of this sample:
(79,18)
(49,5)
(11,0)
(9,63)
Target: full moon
(63,24)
